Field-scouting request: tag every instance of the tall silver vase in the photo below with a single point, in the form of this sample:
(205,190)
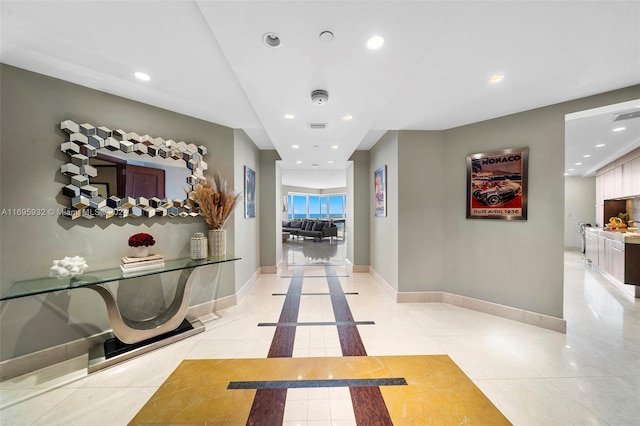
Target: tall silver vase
(217,242)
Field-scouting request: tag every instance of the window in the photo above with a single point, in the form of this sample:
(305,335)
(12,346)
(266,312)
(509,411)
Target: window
(337,206)
(299,206)
(316,206)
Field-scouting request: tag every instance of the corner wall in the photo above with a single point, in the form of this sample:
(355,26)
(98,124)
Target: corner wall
(421,221)
(518,264)
(384,230)
(270,188)
(579,206)
(359,189)
(247,230)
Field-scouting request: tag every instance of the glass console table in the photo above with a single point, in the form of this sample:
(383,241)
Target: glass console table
(132,337)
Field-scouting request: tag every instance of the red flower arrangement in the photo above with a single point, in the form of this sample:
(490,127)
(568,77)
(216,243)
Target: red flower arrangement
(141,239)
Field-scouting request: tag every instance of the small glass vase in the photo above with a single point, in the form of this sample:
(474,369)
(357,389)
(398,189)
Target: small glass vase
(142,251)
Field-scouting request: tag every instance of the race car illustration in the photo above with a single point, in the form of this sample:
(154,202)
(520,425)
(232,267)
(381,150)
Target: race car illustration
(496,194)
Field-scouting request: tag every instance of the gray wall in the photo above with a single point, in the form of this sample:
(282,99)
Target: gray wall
(301,189)
(270,219)
(579,206)
(384,230)
(359,189)
(514,263)
(247,230)
(421,218)
(32,108)
(519,263)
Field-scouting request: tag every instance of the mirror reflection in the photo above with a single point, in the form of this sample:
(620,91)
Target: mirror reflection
(121,177)
(122,174)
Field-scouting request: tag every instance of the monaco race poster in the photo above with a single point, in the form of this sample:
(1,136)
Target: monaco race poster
(497,185)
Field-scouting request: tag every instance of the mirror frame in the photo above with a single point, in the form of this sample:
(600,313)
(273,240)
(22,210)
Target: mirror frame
(84,141)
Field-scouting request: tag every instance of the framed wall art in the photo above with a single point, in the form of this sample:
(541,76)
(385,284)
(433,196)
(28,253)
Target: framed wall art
(497,184)
(249,192)
(380,188)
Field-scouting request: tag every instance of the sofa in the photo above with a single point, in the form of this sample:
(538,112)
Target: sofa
(312,228)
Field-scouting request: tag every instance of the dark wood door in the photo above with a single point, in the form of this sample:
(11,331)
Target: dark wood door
(144,182)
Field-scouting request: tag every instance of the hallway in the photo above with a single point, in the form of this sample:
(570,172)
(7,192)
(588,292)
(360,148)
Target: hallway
(533,376)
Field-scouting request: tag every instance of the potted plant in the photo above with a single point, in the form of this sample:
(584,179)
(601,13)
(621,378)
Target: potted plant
(215,201)
(140,243)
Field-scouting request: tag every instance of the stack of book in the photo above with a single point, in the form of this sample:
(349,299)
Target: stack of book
(141,264)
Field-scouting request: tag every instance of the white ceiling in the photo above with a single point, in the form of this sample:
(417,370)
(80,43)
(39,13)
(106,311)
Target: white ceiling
(207,59)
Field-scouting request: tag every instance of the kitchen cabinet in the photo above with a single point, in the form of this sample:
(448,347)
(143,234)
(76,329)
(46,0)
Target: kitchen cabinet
(631,177)
(613,185)
(591,247)
(600,200)
(616,254)
(614,259)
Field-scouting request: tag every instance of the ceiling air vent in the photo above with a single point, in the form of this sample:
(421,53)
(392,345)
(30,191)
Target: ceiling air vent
(317,126)
(628,115)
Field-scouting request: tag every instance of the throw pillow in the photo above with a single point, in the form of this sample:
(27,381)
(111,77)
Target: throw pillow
(318,226)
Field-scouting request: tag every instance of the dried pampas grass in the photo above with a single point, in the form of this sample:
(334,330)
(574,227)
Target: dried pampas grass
(214,200)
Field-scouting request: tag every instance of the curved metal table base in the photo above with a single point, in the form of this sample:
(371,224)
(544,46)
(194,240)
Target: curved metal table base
(131,331)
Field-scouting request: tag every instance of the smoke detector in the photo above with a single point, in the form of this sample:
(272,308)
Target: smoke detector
(319,97)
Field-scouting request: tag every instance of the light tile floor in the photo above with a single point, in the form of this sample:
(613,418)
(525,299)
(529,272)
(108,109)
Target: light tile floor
(590,376)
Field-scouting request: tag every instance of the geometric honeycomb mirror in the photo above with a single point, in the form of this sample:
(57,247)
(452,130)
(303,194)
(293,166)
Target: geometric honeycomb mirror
(121,174)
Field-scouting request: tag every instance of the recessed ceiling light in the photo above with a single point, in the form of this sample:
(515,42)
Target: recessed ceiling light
(375,42)
(496,78)
(578,164)
(619,129)
(600,145)
(271,40)
(330,161)
(571,170)
(298,162)
(587,155)
(347,117)
(142,76)
(566,174)
(295,146)
(335,146)
(326,36)
(289,116)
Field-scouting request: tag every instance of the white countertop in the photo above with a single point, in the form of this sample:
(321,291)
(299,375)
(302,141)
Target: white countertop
(625,237)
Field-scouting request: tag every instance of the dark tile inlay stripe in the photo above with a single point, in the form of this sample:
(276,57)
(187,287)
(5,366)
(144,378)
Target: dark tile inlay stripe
(268,404)
(368,404)
(284,337)
(350,341)
(312,294)
(305,324)
(268,407)
(329,383)
(369,407)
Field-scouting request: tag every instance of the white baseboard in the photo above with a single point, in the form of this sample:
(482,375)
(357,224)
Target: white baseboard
(24,364)
(502,311)
(242,291)
(204,309)
(269,269)
(28,363)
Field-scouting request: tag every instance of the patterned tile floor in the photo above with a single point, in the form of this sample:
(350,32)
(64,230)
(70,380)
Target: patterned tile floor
(533,376)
